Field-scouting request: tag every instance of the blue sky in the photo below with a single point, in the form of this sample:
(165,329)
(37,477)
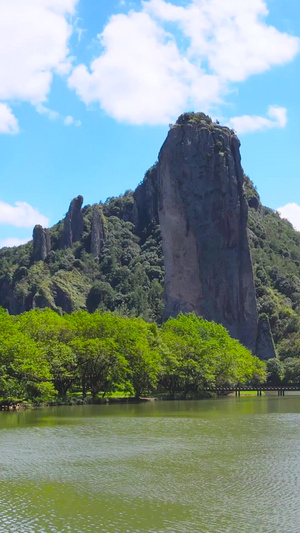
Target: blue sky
(89,87)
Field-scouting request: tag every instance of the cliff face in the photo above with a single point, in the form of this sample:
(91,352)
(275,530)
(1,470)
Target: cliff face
(203,219)
(146,198)
(73,224)
(182,232)
(97,232)
(265,348)
(41,243)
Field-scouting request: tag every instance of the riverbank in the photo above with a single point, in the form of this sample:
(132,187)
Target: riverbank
(11,405)
(17,406)
(76,399)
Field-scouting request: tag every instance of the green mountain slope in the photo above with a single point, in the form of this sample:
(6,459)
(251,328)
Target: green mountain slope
(109,257)
(275,251)
(126,277)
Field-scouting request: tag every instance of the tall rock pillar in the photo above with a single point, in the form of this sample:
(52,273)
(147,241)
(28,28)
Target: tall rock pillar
(203,220)
(41,243)
(73,224)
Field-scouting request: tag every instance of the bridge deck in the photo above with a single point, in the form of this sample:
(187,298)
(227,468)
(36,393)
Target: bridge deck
(255,388)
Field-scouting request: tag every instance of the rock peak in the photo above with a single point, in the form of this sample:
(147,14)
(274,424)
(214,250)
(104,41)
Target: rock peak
(73,224)
(41,243)
(203,218)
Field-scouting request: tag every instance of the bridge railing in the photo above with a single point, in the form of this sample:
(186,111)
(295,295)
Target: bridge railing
(264,387)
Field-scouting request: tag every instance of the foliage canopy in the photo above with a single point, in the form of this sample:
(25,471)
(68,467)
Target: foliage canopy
(44,356)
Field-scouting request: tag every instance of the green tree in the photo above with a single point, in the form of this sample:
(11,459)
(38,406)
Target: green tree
(203,355)
(63,366)
(275,371)
(100,366)
(139,344)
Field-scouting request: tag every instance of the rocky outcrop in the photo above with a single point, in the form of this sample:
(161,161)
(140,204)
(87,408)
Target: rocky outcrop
(41,243)
(98,231)
(203,219)
(265,348)
(195,198)
(146,198)
(73,223)
(15,304)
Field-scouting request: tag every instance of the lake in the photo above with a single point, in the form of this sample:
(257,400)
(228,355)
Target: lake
(223,465)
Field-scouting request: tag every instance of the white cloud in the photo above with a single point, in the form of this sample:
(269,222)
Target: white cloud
(250,123)
(33,45)
(77,29)
(8,122)
(147,75)
(21,215)
(50,113)
(230,35)
(142,77)
(69,121)
(13,241)
(292,213)
(279,114)
(54,115)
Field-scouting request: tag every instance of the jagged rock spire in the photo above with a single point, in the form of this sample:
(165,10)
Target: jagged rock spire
(41,243)
(203,220)
(73,224)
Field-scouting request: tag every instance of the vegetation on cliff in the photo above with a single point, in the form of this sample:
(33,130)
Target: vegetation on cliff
(275,250)
(45,356)
(109,257)
(126,277)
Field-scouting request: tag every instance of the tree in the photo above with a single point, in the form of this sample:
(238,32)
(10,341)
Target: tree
(291,370)
(275,371)
(100,366)
(139,344)
(63,366)
(25,371)
(202,354)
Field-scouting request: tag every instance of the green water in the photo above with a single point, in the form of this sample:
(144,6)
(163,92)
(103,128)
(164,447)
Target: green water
(228,465)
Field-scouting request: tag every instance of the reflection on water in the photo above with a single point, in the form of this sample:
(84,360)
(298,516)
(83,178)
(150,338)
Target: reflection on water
(212,466)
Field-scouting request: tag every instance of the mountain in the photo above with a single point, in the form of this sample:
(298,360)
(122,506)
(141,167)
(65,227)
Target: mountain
(203,220)
(192,237)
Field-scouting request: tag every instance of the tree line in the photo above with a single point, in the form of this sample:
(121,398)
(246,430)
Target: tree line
(45,357)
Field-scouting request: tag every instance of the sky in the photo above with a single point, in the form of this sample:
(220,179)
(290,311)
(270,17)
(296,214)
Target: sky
(88,89)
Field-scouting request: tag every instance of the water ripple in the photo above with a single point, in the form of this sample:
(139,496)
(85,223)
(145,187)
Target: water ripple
(223,471)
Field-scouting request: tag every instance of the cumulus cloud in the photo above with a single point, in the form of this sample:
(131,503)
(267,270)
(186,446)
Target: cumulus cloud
(230,35)
(33,45)
(13,241)
(145,74)
(8,122)
(21,215)
(250,123)
(291,212)
(141,77)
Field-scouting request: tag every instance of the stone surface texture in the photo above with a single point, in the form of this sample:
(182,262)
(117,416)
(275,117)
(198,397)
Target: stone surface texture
(98,231)
(203,220)
(265,348)
(41,243)
(146,198)
(73,224)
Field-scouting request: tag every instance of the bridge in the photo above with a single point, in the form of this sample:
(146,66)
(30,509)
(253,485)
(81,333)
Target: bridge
(259,389)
